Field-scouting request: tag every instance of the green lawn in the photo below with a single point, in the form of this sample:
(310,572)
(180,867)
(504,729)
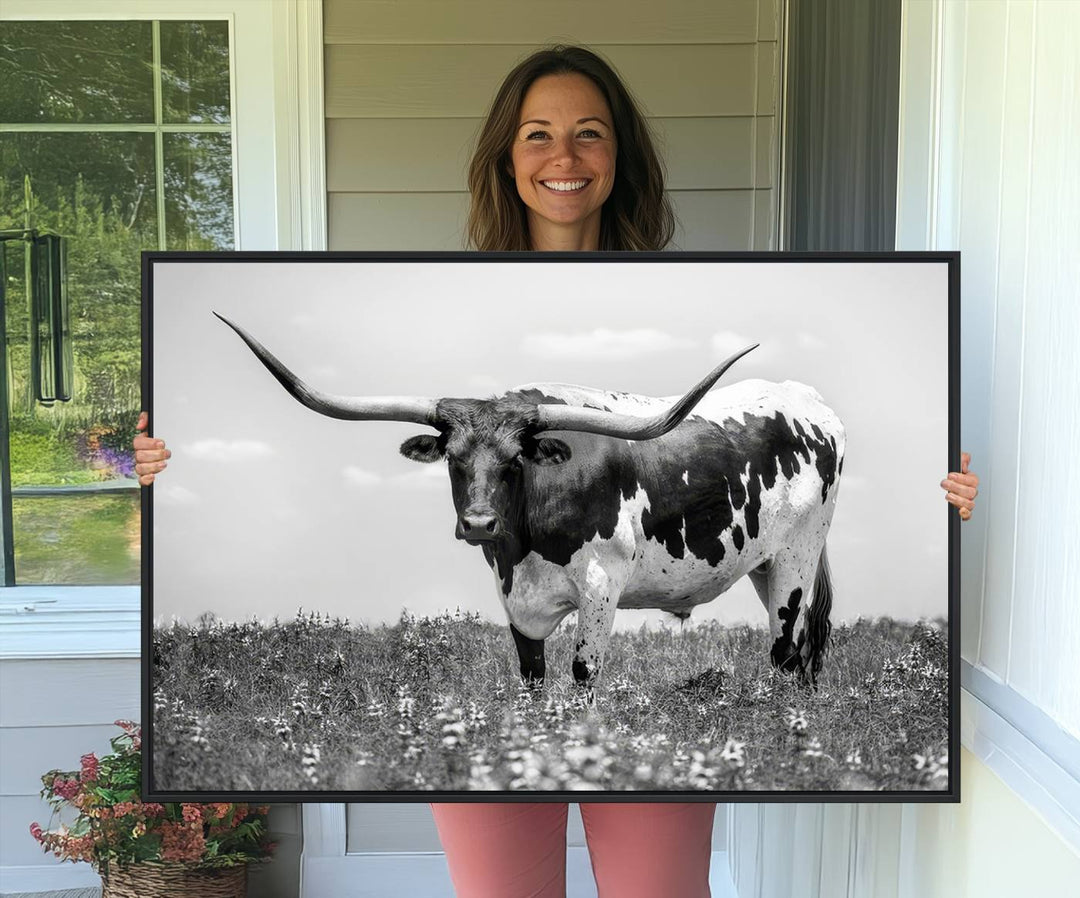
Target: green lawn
(81,539)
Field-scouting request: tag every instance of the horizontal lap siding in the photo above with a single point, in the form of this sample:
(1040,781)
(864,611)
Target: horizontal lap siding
(420,81)
(424,155)
(530,23)
(52,713)
(408,83)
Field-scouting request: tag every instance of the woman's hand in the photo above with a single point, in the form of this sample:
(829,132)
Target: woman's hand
(962,488)
(150,453)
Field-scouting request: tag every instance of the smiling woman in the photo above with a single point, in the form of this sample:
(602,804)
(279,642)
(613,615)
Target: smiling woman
(565,161)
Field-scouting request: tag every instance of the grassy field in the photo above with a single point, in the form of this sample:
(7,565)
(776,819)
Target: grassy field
(436,703)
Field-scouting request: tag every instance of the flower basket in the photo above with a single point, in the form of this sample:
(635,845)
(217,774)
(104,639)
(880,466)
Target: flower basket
(174,881)
(146,849)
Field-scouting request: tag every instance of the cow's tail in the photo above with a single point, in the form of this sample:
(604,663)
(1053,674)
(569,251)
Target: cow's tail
(818,625)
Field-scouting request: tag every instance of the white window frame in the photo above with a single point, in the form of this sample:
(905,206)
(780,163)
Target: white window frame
(279,190)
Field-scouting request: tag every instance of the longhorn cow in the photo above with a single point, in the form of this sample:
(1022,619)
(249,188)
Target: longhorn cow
(637,503)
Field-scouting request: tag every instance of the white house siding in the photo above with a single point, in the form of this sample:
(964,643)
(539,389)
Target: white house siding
(53,711)
(408,83)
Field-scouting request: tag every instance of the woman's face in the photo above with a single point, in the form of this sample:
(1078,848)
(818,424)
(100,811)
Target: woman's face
(563,154)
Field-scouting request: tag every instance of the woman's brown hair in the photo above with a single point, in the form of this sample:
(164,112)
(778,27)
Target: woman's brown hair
(637,214)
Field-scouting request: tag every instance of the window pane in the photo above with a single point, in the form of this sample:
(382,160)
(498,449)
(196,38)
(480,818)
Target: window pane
(80,540)
(198,192)
(195,71)
(76,72)
(98,191)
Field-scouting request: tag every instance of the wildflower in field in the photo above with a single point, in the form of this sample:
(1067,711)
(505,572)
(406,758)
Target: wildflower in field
(813,749)
(375,708)
(198,736)
(854,758)
(480,770)
(406,703)
(284,732)
(453,733)
(309,762)
(796,721)
(554,712)
(700,775)
(477,717)
(453,726)
(932,765)
(734,753)
(590,761)
(535,770)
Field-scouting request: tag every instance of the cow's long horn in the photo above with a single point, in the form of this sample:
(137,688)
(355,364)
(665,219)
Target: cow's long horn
(350,408)
(631,427)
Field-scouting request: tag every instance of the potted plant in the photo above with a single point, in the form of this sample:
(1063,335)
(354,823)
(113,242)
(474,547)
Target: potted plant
(143,848)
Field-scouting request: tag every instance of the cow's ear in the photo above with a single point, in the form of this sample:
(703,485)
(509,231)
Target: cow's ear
(547,451)
(425,448)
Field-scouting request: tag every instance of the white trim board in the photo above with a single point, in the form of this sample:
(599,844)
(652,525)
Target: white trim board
(1045,785)
(69,622)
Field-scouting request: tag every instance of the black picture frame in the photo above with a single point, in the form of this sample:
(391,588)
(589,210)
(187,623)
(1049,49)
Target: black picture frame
(947,450)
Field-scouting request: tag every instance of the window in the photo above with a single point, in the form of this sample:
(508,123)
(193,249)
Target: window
(118,136)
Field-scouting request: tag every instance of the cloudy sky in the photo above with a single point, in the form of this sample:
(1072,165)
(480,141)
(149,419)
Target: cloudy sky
(267,506)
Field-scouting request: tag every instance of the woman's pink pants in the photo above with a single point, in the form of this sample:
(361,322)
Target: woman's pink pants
(519,850)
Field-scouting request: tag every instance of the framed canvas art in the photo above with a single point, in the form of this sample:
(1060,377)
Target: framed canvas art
(459,526)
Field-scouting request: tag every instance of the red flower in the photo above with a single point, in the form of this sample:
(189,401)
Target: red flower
(181,841)
(192,813)
(89,768)
(36,831)
(66,789)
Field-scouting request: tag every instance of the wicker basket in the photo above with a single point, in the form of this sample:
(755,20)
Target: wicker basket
(174,881)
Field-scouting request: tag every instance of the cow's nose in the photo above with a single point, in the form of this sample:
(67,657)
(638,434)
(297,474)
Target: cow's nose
(478,526)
